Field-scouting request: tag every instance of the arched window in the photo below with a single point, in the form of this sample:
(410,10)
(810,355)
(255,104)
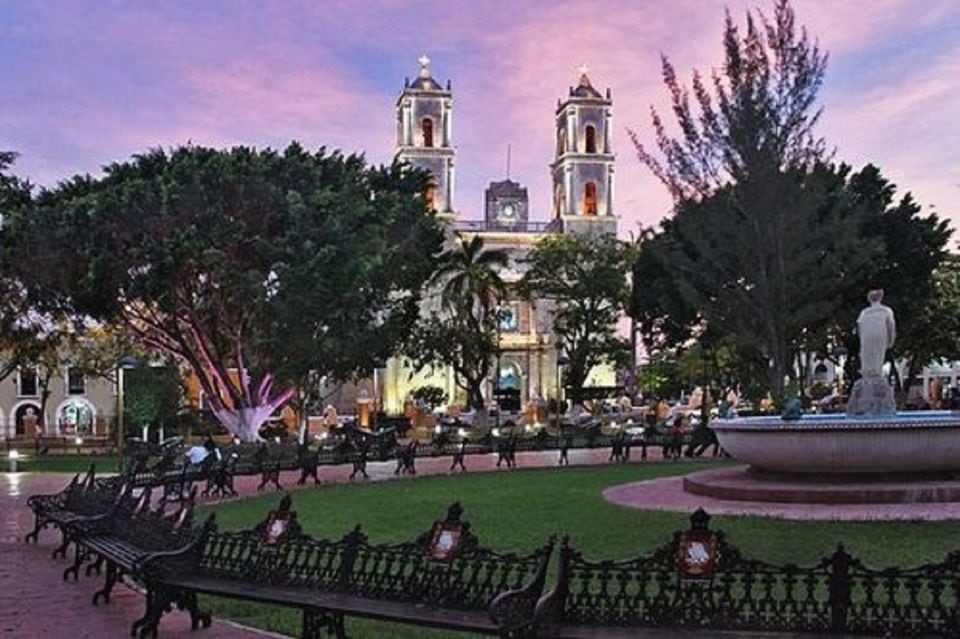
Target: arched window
(76,416)
(558,200)
(430,196)
(26,419)
(591,139)
(590,199)
(426,125)
(561,141)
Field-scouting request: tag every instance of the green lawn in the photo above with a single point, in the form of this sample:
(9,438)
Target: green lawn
(519,510)
(54,463)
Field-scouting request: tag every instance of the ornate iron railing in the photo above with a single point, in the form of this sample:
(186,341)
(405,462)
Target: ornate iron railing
(699,581)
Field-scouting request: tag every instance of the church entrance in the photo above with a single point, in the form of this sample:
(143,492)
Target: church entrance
(509,385)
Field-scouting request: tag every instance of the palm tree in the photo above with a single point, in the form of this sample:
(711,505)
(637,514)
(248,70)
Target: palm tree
(470,275)
(471,291)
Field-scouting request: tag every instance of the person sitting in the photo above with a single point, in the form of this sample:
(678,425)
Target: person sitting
(196,454)
(674,446)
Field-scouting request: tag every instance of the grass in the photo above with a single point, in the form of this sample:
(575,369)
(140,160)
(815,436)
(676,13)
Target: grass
(56,463)
(519,510)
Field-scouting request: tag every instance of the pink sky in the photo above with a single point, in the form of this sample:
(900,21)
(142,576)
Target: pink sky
(86,83)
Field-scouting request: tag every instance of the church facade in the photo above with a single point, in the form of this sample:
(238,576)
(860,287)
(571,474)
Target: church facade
(582,203)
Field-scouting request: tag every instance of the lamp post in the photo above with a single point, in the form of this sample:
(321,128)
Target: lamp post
(125,362)
(562,360)
(378,364)
(496,375)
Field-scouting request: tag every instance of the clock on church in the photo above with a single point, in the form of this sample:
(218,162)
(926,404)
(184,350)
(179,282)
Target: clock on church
(506,205)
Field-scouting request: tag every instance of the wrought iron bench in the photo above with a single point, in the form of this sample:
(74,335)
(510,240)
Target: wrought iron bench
(444,579)
(219,474)
(46,508)
(129,535)
(269,467)
(700,582)
(82,500)
(78,526)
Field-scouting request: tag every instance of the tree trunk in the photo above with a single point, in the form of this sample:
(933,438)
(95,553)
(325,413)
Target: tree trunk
(44,398)
(245,423)
(475,394)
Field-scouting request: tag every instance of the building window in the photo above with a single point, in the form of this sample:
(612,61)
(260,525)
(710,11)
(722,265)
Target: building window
(426,125)
(28,383)
(76,417)
(76,383)
(561,141)
(509,318)
(27,421)
(590,199)
(430,197)
(591,139)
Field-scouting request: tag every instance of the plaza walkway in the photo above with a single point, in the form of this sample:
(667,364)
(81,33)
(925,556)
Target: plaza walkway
(35,602)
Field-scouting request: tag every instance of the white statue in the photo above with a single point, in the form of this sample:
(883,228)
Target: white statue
(871,394)
(877,329)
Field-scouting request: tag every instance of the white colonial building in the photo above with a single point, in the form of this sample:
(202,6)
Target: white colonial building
(582,171)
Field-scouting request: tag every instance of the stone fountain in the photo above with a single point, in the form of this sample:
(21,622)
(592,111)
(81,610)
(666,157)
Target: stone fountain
(871,454)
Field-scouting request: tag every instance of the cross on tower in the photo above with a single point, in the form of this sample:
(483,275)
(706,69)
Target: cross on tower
(424,61)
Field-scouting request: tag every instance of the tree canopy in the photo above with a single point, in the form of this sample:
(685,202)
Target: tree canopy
(586,279)
(252,267)
(770,243)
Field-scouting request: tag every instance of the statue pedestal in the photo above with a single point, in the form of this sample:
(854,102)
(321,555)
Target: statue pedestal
(871,396)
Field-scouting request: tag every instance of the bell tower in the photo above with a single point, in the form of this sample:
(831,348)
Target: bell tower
(583,166)
(424,134)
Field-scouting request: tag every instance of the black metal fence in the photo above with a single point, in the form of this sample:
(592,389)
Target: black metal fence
(700,581)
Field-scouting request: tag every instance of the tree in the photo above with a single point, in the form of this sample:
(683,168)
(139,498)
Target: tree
(152,396)
(764,236)
(17,324)
(760,118)
(586,279)
(249,266)
(463,335)
(914,249)
(935,334)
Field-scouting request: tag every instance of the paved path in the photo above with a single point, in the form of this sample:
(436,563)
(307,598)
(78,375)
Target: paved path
(35,602)
(666,493)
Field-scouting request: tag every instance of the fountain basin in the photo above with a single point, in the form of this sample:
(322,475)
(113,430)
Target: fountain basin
(912,442)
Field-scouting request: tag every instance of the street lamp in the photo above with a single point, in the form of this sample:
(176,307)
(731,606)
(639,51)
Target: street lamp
(562,360)
(378,364)
(501,314)
(125,362)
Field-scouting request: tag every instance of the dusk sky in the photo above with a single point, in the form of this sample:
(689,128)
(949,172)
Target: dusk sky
(87,83)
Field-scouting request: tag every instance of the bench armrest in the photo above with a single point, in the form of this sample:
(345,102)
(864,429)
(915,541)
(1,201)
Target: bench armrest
(513,609)
(549,608)
(144,563)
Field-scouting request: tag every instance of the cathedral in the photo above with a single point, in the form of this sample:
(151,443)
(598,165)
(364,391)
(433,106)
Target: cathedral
(582,203)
